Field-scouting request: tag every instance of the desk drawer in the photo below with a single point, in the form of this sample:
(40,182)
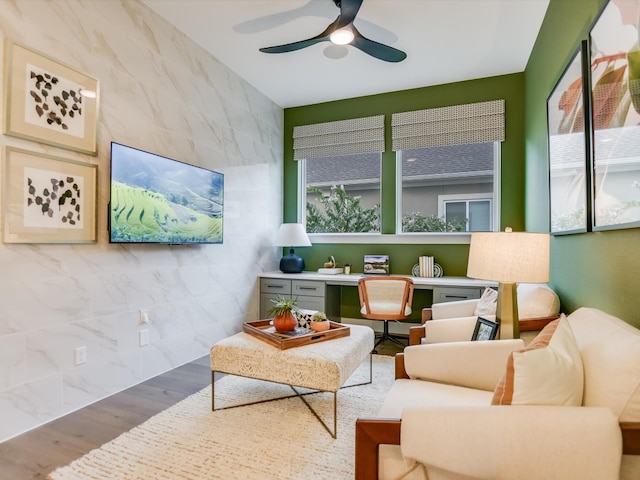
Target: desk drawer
(275,285)
(308,288)
(453,294)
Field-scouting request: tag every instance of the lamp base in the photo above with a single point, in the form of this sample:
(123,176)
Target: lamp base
(507,311)
(291,263)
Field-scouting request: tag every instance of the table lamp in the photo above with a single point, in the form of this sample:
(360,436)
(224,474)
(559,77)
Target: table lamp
(292,235)
(509,258)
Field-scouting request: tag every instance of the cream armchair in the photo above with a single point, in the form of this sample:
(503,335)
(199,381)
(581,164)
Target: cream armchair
(439,418)
(537,305)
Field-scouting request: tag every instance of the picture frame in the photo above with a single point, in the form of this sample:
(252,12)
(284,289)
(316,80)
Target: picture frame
(48,199)
(376,264)
(485,330)
(49,102)
(568,147)
(615,116)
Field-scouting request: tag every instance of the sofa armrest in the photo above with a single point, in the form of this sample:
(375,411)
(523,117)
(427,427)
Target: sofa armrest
(470,364)
(416,334)
(461,308)
(370,434)
(499,443)
(401,372)
(536,323)
(630,438)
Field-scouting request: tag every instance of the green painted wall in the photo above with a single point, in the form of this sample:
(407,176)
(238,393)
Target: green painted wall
(453,258)
(592,269)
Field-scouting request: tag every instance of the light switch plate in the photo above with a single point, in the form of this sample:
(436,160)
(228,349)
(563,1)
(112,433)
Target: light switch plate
(80,355)
(144,337)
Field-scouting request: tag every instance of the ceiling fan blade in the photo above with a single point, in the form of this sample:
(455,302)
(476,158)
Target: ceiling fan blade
(375,49)
(348,11)
(291,47)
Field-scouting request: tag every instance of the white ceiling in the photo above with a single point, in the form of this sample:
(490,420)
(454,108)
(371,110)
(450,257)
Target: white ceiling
(445,41)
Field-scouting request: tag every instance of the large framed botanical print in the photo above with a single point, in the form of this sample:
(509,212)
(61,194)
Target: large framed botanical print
(568,169)
(615,115)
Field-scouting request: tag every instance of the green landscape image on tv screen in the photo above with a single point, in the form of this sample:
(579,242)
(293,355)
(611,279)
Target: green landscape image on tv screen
(155,199)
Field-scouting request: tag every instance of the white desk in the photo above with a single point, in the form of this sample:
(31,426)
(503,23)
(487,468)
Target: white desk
(316,291)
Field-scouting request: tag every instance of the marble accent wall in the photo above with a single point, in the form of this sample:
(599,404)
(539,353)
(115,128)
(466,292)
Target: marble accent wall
(162,93)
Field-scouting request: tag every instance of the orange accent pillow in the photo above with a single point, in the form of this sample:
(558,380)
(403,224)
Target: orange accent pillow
(546,372)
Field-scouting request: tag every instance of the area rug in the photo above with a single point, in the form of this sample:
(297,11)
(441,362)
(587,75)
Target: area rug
(274,440)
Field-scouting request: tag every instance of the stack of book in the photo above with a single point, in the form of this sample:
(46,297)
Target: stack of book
(426,266)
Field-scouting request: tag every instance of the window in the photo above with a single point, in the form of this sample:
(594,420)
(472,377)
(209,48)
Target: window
(447,167)
(447,188)
(339,166)
(342,193)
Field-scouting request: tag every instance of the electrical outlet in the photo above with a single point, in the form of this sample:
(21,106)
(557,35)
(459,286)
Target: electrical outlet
(144,317)
(144,337)
(81,355)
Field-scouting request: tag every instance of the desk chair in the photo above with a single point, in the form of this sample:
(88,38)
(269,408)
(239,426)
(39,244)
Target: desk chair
(386,299)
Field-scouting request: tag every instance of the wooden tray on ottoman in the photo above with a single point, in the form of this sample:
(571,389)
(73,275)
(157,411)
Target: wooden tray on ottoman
(266,332)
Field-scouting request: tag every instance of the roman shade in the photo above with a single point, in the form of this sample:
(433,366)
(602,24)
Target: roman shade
(344,137)
(454,125)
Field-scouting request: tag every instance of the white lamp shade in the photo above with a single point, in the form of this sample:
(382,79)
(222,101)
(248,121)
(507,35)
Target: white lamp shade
(509,257)
(292,235)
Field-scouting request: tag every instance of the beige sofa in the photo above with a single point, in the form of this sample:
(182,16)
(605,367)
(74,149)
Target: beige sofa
(439,415)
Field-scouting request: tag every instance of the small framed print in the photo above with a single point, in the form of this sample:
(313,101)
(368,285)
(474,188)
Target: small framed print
(48,199)
(48,102)
(485,330)
(376,264)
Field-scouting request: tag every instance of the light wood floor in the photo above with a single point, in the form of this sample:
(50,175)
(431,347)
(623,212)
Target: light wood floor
(38,452)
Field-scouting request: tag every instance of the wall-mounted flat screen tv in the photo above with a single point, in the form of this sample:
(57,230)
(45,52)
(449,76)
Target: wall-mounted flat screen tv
(156,199)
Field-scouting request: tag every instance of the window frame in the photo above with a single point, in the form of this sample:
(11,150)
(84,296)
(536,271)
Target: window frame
(497,162)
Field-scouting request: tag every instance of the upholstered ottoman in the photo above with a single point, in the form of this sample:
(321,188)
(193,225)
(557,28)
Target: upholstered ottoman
(323,366)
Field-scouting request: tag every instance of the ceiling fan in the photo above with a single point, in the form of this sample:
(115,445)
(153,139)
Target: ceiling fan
(342,32)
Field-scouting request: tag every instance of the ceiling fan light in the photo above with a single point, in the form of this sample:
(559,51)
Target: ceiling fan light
(342,36)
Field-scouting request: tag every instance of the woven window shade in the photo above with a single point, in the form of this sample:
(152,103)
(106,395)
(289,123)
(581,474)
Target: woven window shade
(344,137)
(455,125)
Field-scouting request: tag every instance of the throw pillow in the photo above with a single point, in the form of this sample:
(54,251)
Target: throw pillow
(547,372)
(487,303)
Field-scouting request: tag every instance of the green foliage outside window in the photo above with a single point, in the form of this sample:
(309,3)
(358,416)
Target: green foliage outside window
(415,222)
(340,213)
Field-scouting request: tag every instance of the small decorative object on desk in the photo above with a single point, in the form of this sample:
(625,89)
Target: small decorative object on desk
(427,268)
(437,270)
(283,311)
(376,264)
(330,267)
(319,322)
(331,263)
